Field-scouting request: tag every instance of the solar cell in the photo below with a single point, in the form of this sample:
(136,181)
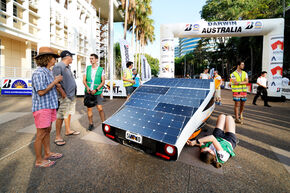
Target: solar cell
(154,90)
(142,103)
(144,96)
(188,83)
(174,109)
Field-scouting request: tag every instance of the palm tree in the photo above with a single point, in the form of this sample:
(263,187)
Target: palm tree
(129,9)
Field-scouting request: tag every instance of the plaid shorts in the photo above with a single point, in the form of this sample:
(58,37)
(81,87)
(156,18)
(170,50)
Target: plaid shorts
(66,107)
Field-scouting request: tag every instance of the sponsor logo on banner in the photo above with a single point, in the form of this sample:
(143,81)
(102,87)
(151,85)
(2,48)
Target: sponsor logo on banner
(277,45)
(7,83)
(214,30)
(126,55)
(118,88)
(145,69)
(19,84)
(191,27)
(222,23)
(258,25)
(277,71)
(16,87)
(188,27)
(250,25)
(225,27)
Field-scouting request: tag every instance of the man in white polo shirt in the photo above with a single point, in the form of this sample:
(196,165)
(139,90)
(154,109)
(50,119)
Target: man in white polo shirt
(262,88)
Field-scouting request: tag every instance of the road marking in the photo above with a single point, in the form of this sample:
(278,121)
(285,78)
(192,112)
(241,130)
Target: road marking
(9,116)
(16,150)
(283,156)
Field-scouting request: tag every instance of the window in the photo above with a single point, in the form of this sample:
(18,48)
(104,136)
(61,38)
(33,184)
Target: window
(33,54)
(3,8)
(15,10)
(3,5)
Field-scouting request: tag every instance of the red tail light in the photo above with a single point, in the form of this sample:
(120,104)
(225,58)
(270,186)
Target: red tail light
(169,149)
(110,136)
(163,156)
(107,128)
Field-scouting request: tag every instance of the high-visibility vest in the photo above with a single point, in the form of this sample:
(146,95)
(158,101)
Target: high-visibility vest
(129,76)
(238,87)
(98,79)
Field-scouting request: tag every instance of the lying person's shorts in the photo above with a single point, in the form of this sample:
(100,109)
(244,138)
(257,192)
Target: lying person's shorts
(44,117)
(66,107)
(229,136)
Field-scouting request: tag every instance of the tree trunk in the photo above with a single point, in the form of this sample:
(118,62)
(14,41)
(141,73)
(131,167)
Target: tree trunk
(252,62)
(136,50)
(132,40)
(126,18)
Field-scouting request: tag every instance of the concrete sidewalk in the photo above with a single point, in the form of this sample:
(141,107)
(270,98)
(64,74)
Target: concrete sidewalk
(92,163)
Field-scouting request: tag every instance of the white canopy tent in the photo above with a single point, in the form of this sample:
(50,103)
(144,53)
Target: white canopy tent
(271,29)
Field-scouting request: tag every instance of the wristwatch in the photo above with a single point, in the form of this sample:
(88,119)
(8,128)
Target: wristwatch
(97,90)
(197,142)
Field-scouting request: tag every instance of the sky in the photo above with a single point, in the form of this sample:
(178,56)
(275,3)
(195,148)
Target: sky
(165,12)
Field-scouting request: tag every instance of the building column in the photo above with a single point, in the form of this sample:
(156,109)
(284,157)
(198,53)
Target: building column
(26,16)
(27,65)
(44,23)
(9,10)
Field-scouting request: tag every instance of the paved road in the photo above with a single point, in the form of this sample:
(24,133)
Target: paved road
(92,163)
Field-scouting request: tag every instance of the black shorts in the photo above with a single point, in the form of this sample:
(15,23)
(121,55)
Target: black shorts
(129,90)
(229,136)
(96,98)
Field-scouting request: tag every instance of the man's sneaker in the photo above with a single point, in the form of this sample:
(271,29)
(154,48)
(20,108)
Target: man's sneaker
(91,127)
(254,103)
(267,105)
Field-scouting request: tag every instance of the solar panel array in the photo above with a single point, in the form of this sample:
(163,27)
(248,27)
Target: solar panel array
(160,108)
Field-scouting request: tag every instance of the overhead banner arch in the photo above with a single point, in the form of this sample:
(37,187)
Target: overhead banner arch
(272,31)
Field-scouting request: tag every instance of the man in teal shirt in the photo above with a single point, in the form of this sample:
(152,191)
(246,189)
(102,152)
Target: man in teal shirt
(136,78)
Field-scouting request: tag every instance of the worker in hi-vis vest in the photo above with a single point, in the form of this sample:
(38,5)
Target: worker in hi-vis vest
(94,80)
(128,79)
(239,81)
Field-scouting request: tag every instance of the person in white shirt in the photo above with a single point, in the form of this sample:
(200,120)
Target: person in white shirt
(94,80)
(217,148)
(205,74)
(262,89)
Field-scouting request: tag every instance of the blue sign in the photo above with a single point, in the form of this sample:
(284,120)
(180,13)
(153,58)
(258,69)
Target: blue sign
(16,87)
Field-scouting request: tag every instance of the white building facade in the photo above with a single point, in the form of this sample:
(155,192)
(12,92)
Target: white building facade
(74,25)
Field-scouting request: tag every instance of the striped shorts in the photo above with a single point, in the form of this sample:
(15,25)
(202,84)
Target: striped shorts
(240,96)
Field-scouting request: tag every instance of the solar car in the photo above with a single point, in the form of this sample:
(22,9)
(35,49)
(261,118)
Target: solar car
(161,115)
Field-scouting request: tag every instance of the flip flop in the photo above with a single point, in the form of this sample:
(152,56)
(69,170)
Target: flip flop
(46,164)
(55,156)
(73,133)
(59,142)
